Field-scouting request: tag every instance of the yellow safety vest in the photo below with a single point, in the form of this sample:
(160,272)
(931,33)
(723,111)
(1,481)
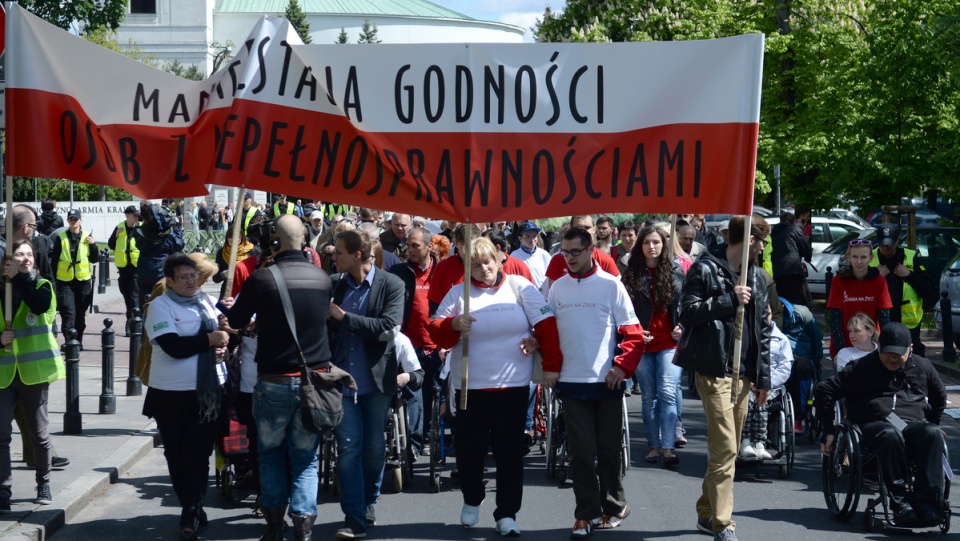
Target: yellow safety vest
(34,352)
(251,212)
(276,208)
(67,269)
(333,210)
(120,254)
(911,308)
(768,255)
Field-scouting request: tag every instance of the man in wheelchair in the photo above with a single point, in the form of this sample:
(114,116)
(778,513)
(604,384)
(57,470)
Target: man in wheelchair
(897,399)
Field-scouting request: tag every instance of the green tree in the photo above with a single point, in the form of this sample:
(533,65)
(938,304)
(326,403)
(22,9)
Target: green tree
(298,19)
(108,40)
(859,97)
(91,14)
(191,72)
(343,37)
(368,33)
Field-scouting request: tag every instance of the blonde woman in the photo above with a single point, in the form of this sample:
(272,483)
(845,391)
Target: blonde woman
(858,288)
(503,309)
(862,332)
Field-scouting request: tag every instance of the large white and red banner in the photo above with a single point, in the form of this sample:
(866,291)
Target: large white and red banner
(476,132)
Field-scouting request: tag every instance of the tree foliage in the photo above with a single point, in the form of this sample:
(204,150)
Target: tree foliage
(859,97)
(298,19)
(368,33)
(343,37)
(91,14)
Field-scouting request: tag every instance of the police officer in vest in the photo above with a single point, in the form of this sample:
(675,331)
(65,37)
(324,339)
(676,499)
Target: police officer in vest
(281,206)
(906,279)
(126,255)
(248,211)
(75,252)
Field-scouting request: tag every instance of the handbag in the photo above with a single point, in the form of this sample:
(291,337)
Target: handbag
(537,356)
(321,395)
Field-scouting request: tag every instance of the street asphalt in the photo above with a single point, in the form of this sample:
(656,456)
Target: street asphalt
(116,486)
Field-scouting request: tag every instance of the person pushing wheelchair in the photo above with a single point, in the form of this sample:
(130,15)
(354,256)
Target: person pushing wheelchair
(897,400)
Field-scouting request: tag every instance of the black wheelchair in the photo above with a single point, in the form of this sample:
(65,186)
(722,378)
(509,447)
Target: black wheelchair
(849,468)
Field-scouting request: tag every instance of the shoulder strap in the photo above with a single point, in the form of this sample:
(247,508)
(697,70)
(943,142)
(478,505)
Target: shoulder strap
(287,306)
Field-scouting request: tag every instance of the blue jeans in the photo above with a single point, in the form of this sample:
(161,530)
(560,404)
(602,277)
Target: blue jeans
(413,402)
(659,378)
(288,451)
(361,454)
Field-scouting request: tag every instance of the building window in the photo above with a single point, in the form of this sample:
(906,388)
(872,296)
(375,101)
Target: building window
(143,6)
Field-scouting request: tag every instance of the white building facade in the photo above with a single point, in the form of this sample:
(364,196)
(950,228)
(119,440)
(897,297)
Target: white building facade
(195,32)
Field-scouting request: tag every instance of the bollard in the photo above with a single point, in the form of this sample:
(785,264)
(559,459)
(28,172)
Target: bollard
(72,419)
(827,281)
(946,321)
(134,385)
(108,401)
(104,271)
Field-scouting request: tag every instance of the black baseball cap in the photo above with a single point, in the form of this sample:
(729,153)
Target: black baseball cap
(132,210)
(895,338)
(888,234)
(73,213)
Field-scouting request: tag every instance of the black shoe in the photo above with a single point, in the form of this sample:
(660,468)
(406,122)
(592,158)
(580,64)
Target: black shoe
(4,505)
(905,516)
(43,494)
(928,514)
(59,462)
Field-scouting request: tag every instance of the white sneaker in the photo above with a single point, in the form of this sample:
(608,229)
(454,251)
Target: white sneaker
(507,527)
(747,450)
(760,452)
(469,515)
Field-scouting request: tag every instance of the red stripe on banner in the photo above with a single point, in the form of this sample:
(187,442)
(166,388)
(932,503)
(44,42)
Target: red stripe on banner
(463,176)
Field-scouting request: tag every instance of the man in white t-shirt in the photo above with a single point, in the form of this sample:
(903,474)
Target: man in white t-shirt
(591,307)
(536,258)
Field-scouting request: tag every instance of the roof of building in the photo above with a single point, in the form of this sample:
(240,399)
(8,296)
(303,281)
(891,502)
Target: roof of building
(394,8)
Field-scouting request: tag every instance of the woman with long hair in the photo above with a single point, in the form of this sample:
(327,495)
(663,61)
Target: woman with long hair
(857,288)
(27,370)
(654,282)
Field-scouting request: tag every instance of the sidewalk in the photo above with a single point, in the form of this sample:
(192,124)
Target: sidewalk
(109,444)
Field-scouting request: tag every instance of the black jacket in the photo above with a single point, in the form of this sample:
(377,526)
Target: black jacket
(639,292)
(917,279)
(406,272)
(790,249)
(48,222)
(392,244)
(310,291)
(708,308)
(868,388)
(378,327)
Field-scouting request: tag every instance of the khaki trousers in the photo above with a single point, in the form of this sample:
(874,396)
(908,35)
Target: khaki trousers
(724,425)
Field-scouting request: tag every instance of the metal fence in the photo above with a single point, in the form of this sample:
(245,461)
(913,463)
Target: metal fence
(207,242)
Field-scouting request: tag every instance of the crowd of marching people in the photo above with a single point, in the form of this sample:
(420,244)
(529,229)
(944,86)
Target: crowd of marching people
(378,302)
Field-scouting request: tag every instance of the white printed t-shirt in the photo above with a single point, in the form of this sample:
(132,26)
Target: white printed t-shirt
(589,311)
(537,262)
(406,354)
(496,361)
(167,316)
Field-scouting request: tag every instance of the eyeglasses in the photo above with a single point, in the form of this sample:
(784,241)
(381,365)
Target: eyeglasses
(33,225)
(572,253)
(860,242)
(187,277)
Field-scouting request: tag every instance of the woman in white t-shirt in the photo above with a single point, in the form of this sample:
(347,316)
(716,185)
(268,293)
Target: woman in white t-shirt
(503,309)
(863,335)
(185,378)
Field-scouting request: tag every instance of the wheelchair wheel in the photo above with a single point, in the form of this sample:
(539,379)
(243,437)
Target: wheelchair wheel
(790,433)
(436,453)
(328,460)
(551,426)
(625,441)
(869,520)
(842,475)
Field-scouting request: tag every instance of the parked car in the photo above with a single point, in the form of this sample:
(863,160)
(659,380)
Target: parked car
(844,214)
(825,230)
(939,246)
(924,216)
